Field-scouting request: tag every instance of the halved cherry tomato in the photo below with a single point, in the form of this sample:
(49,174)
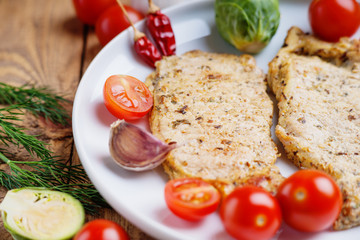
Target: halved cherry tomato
(332,19)
(113,21)
(250,212)
(127,97)
(101,229)
(191,198)
(310,200)
(88,11)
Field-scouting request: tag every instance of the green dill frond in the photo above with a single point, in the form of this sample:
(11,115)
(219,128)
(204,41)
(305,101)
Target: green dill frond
(52,174)
(39,101)
(86,194)
(12,133)
(46,171)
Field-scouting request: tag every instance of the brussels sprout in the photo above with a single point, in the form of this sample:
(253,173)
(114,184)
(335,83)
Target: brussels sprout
(248,25)
(38,213)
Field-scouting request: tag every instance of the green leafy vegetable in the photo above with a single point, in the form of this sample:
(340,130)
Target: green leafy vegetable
(45,171)
(249,25)
(39,101)
(41,214)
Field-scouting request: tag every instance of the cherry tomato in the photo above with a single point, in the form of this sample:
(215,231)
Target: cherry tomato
(127,97)
(332,19)
(101,229)
(191,198)
(88,11)
(250,212)
(113,21)
(310,200)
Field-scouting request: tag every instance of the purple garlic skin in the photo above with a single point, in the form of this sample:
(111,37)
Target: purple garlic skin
(136,149)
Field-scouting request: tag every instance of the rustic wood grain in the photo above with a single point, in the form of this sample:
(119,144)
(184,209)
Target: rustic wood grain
(43,43)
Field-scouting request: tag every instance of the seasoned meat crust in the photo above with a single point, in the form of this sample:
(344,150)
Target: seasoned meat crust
(317,85)
(216,109)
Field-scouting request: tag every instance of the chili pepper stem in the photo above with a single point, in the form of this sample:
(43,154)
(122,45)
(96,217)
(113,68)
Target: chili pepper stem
(137,33)
(152,7)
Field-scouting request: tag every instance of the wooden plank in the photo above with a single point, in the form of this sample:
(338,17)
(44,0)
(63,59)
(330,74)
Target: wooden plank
(41,44)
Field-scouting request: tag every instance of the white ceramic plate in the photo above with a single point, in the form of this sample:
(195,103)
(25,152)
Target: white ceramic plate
(139,196)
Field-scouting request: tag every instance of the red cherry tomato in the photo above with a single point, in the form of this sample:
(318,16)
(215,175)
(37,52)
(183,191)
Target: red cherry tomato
(127,97)
(101,229)
(113,21)
(332,19)
(191,198)
(88,11)
(310,200)
(250,213)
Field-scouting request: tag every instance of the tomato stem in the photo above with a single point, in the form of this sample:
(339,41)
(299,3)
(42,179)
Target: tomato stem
(260,220)
(300,195)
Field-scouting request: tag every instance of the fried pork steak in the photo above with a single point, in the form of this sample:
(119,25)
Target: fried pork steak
(317,85)
(216,109)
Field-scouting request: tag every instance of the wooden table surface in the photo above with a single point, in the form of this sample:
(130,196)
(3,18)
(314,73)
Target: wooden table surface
(43,43)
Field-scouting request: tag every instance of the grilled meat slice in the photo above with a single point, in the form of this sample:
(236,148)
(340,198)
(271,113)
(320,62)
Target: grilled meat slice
(317,85)
(216,109)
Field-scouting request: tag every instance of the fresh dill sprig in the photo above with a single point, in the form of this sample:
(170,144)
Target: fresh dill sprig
(39,101)
(53,174)
(48,171)
(12,133)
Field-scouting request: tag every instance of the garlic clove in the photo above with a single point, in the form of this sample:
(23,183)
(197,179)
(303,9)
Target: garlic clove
(136,149)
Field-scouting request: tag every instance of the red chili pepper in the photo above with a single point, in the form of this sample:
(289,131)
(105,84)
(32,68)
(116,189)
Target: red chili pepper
(142,45)
(146,50)
(159,26)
